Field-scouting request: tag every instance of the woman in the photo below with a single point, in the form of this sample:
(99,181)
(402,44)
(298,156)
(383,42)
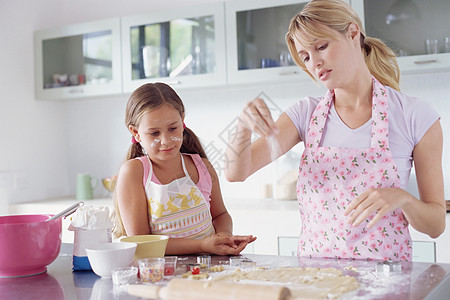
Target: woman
(360,140)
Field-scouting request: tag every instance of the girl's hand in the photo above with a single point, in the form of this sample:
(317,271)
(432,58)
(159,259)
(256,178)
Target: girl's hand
(220,244)
(379,201)
(256,117)
(236,240)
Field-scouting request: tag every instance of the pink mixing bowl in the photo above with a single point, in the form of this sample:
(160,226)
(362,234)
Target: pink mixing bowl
(28,244)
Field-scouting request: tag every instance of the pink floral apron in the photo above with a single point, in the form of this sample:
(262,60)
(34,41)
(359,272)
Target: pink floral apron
(178,209)
(330,177)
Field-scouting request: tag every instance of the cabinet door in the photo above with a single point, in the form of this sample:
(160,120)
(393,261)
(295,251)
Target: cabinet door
(287,245)
(78,60)
(406,26)
(256,46)
(182,47)
(424,251)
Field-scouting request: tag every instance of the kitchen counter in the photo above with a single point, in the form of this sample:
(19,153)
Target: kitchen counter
(416,280)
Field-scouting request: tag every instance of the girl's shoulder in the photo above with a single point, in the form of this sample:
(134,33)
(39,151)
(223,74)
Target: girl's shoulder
(131,170)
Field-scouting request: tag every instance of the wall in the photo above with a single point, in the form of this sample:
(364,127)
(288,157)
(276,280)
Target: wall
(51,142)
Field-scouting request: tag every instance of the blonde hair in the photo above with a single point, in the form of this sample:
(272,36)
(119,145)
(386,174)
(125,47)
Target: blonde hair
(338,15)
(144,99)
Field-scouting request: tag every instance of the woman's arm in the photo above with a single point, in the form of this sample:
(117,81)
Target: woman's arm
(131,198)
(245,158)
(426,215)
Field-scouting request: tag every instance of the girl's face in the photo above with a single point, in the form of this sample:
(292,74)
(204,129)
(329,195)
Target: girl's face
(330,61)
(160,132)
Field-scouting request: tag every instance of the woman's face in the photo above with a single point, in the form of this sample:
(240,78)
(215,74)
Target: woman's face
(331,61)
(160,132)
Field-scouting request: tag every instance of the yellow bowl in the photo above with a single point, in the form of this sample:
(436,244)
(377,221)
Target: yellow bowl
(151,245)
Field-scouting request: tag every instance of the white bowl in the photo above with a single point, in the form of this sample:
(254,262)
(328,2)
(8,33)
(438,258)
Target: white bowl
(104,258)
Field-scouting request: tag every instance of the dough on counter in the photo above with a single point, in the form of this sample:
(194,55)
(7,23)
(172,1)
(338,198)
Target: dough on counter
(304,283)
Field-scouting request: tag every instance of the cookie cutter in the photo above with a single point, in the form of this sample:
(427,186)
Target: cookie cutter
(388,267)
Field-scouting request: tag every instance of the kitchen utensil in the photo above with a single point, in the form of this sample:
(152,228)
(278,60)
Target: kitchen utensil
(170,265)
(85,186)
(185,289)
(151,269)
(204,261)
(28,244)
(68,211)
(127,275)
(148,245)
(106,257)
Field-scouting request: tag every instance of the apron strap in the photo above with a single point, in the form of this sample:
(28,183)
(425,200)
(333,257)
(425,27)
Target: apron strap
(379,127)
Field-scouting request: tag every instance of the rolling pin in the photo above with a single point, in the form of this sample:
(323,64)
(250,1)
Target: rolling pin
(186,289)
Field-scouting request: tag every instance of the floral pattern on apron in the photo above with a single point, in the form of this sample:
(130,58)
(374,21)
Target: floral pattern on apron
(330,178)
(178,209)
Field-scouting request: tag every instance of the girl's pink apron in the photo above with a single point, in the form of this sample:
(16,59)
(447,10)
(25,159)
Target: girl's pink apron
(330,178)
(178,209)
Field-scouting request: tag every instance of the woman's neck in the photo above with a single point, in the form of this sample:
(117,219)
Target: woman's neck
(353,103)
(356,93)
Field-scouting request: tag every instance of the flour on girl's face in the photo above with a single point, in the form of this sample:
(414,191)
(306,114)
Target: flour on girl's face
(157,142)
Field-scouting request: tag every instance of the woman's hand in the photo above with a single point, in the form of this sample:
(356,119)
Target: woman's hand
(224,244)
(380,201)
(256,117)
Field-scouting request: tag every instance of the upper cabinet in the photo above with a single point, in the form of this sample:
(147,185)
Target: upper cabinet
(182,47)
(78,60)
(418,31)
(191,47)
(256,47)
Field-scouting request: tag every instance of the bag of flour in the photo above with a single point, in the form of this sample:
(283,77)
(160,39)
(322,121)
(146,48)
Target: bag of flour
(91,226)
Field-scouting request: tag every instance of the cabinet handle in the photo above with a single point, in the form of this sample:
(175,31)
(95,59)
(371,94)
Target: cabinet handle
(173,82)
(76,91)
(283,73)
(428,61)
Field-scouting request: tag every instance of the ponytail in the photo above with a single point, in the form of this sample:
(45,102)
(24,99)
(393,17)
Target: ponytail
(134,151)
(191,144)
(381,62)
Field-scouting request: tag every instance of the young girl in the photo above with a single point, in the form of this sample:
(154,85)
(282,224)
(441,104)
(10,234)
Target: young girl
(360,139)
(167,186)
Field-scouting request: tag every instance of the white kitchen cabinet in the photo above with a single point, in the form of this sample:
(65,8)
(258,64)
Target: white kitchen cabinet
(256,46)
(424,251)
(287,245)
(266,219)
(405,25)
(79,60)
(183,47)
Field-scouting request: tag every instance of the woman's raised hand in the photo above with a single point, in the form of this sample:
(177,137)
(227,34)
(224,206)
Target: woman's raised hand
(256,117)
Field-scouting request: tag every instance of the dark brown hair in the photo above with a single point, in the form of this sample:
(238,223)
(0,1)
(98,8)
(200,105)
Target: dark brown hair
(151,96)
